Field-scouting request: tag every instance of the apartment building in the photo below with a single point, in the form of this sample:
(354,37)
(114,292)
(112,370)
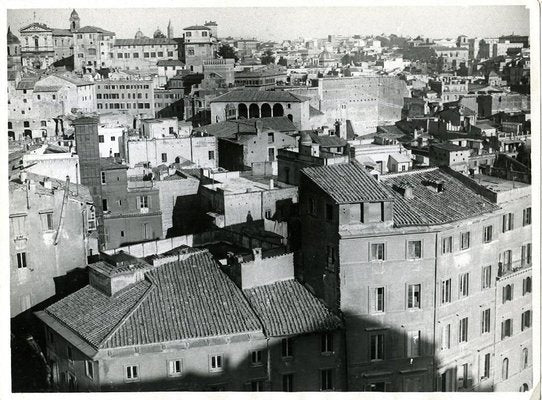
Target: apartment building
(432,246)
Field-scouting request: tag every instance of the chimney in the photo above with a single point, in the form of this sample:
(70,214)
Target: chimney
(258,124)
(23,176)
(47,184)
(271,184)
(257,253)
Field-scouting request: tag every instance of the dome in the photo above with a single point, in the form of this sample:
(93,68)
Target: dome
(158,34)
(74,14)
(12,39)
(139,34)
(325,55)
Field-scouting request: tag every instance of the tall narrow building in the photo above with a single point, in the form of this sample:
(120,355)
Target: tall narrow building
(169,30)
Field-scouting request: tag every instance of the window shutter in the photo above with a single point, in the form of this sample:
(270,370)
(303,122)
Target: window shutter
(504,223)
(512,291)
(502,330)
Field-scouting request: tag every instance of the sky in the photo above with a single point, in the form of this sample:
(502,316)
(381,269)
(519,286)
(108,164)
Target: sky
(293,22)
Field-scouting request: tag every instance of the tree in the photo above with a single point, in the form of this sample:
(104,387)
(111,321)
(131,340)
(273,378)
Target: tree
(268,58)
(283,62)
(346,59)
(226,51)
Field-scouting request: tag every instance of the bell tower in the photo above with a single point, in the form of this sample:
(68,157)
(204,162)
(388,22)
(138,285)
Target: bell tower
(74,21)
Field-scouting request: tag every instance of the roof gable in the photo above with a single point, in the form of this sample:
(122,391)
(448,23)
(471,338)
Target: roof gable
(35,27)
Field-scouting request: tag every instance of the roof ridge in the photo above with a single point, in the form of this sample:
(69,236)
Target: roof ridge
(129,313)
(411,172)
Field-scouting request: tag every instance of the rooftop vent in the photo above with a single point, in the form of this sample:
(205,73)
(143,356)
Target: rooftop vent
(405,189)
(434,185)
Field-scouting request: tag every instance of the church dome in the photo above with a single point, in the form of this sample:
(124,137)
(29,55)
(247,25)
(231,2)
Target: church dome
(325,55)
(139,34)
(74,14)
(158,34)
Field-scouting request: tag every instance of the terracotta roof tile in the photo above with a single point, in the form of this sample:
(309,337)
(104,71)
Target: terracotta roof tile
(258,96)
(288,308)
(347,183)
(427,207)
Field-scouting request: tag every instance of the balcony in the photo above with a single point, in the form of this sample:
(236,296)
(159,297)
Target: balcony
(506,269)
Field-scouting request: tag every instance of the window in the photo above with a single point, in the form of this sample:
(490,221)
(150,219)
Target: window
(447,243)
(288,383)
(26,124)
(464,285)
(104,204)
(487,365)
(89,368)
(507,260)
(464,379)
(215,364)
(287,349)
(329,212)
(164,157)
(486,277)
(507,293)
(446,296)
(413,344)
(486,321)
(256,357)
(377,347)
(525,320)
(527,216)
(330,256)
(18,226)
(526,254)
(463,330)
(211,155)
(103,177)
(43,123)
(101,138)
(21,260)
(506,328)
(112,138)
(524,358)
(326,344)
(135,55)
(143,201)
(175,367)
(270,137)
(414,249)
(256,386)
(465,240)
(377,252)
(527,285)
(326,381)
(312,206)
(505,363)
(46,221)
(446,329)
(507,222)
(153,54)
(414,296)
(69,354)
(131,373)
(379,299)
(145,55)
(268,214)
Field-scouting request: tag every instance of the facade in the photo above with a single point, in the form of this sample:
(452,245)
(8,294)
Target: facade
(449,155)
(376,229)
(261,104)
(133,96)
(110,140)
(92,49)
(37,49)
(142,54)
(199,45)
(260,78)
(131,206)
(52,231)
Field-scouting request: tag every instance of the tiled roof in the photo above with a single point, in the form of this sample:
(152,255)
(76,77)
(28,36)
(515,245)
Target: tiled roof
(288,308)
(73,79)
(76,191)
(427,207)
(449,146)
(12,39)
(109,163)
(161,63)
(186,299)
(192,298)
(92,314)
(47,88)
(26,84)
(327,140)
(314,111)
(259,95)
(196,28)
(94,29)
(347,183)
(144,41)
(228,129)
(62,32)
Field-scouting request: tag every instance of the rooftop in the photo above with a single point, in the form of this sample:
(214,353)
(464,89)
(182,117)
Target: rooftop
(347,183)
(186,299)
(449,146)
(77,192)
(175,63)
(327,140)
(94,29)
(110,163)
(288,308)
(228,129)
(259,96)
(196,28)
(430,207)
(144,41)
(496,184)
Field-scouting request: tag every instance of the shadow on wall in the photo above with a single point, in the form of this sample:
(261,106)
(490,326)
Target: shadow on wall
(189,216)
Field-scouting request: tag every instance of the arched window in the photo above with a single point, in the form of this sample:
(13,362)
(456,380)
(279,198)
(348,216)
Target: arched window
(290,117)
(254,111)
(36,45)
(278,110)
(527,285)
(506,293)
(524,388)
(243,111)
(266,110)
(505,369)
(524,358)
